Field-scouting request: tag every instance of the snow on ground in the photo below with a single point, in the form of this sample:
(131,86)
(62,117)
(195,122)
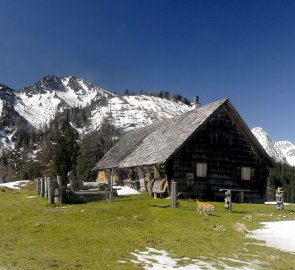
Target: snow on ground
(280,235)
(273,203)
(123,191)
(15,184)
(153,259)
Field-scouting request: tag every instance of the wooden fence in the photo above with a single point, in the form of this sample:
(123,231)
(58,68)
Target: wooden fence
(51,188)
(56,192)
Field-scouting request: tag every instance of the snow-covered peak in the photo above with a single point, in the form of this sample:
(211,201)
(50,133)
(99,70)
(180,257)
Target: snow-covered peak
(288,149)
(269,145)
(40,103)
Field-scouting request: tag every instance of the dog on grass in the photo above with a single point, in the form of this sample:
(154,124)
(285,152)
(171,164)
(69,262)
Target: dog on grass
(205,208)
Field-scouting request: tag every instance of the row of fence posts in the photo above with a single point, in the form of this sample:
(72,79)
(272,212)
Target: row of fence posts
(51,188)
(55,192)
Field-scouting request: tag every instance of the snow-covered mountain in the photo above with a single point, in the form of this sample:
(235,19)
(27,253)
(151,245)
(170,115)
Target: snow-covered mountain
(40,103)
(288,149)
(280,151)
(11,122)
(35,106)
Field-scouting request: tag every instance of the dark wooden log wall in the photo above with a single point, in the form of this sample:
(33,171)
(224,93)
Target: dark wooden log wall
(225,149)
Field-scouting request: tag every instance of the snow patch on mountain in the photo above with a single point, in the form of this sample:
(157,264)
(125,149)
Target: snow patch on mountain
(81,96)
(269,145)
(1,106)
(288,149)
(38,109)
(130,112)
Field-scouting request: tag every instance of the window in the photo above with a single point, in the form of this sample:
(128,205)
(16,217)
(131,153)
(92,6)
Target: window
(201,169)
(245,173)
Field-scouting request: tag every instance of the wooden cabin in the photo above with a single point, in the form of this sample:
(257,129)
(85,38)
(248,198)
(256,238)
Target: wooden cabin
(204,150)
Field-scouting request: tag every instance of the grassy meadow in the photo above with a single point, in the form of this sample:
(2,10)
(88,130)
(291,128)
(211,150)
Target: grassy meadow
(102,235)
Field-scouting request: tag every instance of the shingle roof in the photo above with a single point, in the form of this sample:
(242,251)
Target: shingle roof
(156,143)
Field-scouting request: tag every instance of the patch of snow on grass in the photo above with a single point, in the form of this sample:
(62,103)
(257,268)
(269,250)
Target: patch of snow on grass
(273,203)
(154,259)
(280,235)
(15,184)
(123,191)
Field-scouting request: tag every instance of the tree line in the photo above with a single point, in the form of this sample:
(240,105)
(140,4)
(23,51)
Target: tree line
(159,93)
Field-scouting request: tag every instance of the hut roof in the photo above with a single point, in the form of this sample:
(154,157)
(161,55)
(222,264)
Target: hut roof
(156,143)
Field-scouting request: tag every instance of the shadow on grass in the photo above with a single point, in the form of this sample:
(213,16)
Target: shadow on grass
(240,212)
(159,205)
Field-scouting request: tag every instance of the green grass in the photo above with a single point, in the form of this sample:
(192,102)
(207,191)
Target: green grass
(35,235)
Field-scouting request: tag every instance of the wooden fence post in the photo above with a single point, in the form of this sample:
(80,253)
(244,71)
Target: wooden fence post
(45,187)
(50,190)
(174,194)
(42,186)
(111,184)
(38,185)
(61,198)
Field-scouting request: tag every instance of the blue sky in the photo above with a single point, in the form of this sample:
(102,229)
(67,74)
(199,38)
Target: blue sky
(243,50)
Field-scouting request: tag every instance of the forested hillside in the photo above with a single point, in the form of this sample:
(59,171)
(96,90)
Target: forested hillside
(282,175)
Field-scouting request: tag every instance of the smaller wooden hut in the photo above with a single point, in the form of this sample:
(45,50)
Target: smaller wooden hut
(204,150)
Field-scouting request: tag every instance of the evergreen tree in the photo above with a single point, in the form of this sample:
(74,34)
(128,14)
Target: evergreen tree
(91,150)
(65,151)
(282,175)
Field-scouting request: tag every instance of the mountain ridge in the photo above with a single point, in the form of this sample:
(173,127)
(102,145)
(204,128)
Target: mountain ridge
(40,103)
